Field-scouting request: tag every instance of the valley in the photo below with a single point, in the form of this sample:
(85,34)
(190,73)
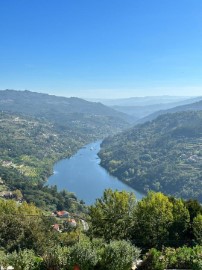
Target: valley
(50,159)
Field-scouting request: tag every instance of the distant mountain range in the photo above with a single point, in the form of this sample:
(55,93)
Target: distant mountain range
(190,105)
(142,111)
(142,107)
(140,101)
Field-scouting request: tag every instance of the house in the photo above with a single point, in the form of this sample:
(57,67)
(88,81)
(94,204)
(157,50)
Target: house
(62,214)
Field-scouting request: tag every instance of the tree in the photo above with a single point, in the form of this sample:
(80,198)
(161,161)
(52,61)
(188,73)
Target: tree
(180,225)
(111,216)
(197,229)
(194,208)
(154,217)
(23,226)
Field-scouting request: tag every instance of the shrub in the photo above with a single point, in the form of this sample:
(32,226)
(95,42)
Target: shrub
(82,254)
(56,258)
(180,258)
(119,255)
(154,260)
(24,260)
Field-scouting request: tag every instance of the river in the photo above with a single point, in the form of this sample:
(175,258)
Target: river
(83,175)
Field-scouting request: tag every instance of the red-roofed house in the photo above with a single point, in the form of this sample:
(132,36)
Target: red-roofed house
(62,214)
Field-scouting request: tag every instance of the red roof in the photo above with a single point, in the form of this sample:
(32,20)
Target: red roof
(62,213)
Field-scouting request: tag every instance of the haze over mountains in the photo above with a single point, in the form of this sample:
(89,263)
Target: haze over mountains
(140,107)
(189,105)
(140,101)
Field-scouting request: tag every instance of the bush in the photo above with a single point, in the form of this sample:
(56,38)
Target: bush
(24,260)
(82,254)
(153,260)
(180,258)
(119,255)
(56,258)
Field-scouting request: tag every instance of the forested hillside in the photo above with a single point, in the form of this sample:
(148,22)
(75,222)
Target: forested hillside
(28,150)
(162,155)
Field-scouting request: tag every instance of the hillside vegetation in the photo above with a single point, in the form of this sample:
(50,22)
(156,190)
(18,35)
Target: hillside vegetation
(162,155)
(28,150)
(120,228)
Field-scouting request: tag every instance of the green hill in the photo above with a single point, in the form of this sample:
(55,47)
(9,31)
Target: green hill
(28,150)
(162,155)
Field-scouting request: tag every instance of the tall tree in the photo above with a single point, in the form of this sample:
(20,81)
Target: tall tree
(112,215)
(154,217)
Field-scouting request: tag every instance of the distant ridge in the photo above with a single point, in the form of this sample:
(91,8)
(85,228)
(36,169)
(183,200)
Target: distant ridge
(40,104)
(195,105)
(140,101)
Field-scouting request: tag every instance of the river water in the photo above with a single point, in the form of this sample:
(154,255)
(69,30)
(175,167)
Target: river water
(83,175)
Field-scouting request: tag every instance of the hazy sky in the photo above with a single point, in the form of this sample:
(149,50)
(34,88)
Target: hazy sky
(102,48)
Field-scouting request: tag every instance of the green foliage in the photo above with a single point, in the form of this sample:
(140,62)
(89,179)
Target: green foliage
(24,260)
(154,217)
(194,208)
(56,258)
(197,229)
(153,261)
(162,155)
(111,216)
(23,226)
(84,255)
(170,258)
(3,259)
(180,225)
(119,255)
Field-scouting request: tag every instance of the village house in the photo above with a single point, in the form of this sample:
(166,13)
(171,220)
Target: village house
(62,214)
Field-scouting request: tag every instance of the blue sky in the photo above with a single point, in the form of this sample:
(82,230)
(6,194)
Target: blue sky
(102,48)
